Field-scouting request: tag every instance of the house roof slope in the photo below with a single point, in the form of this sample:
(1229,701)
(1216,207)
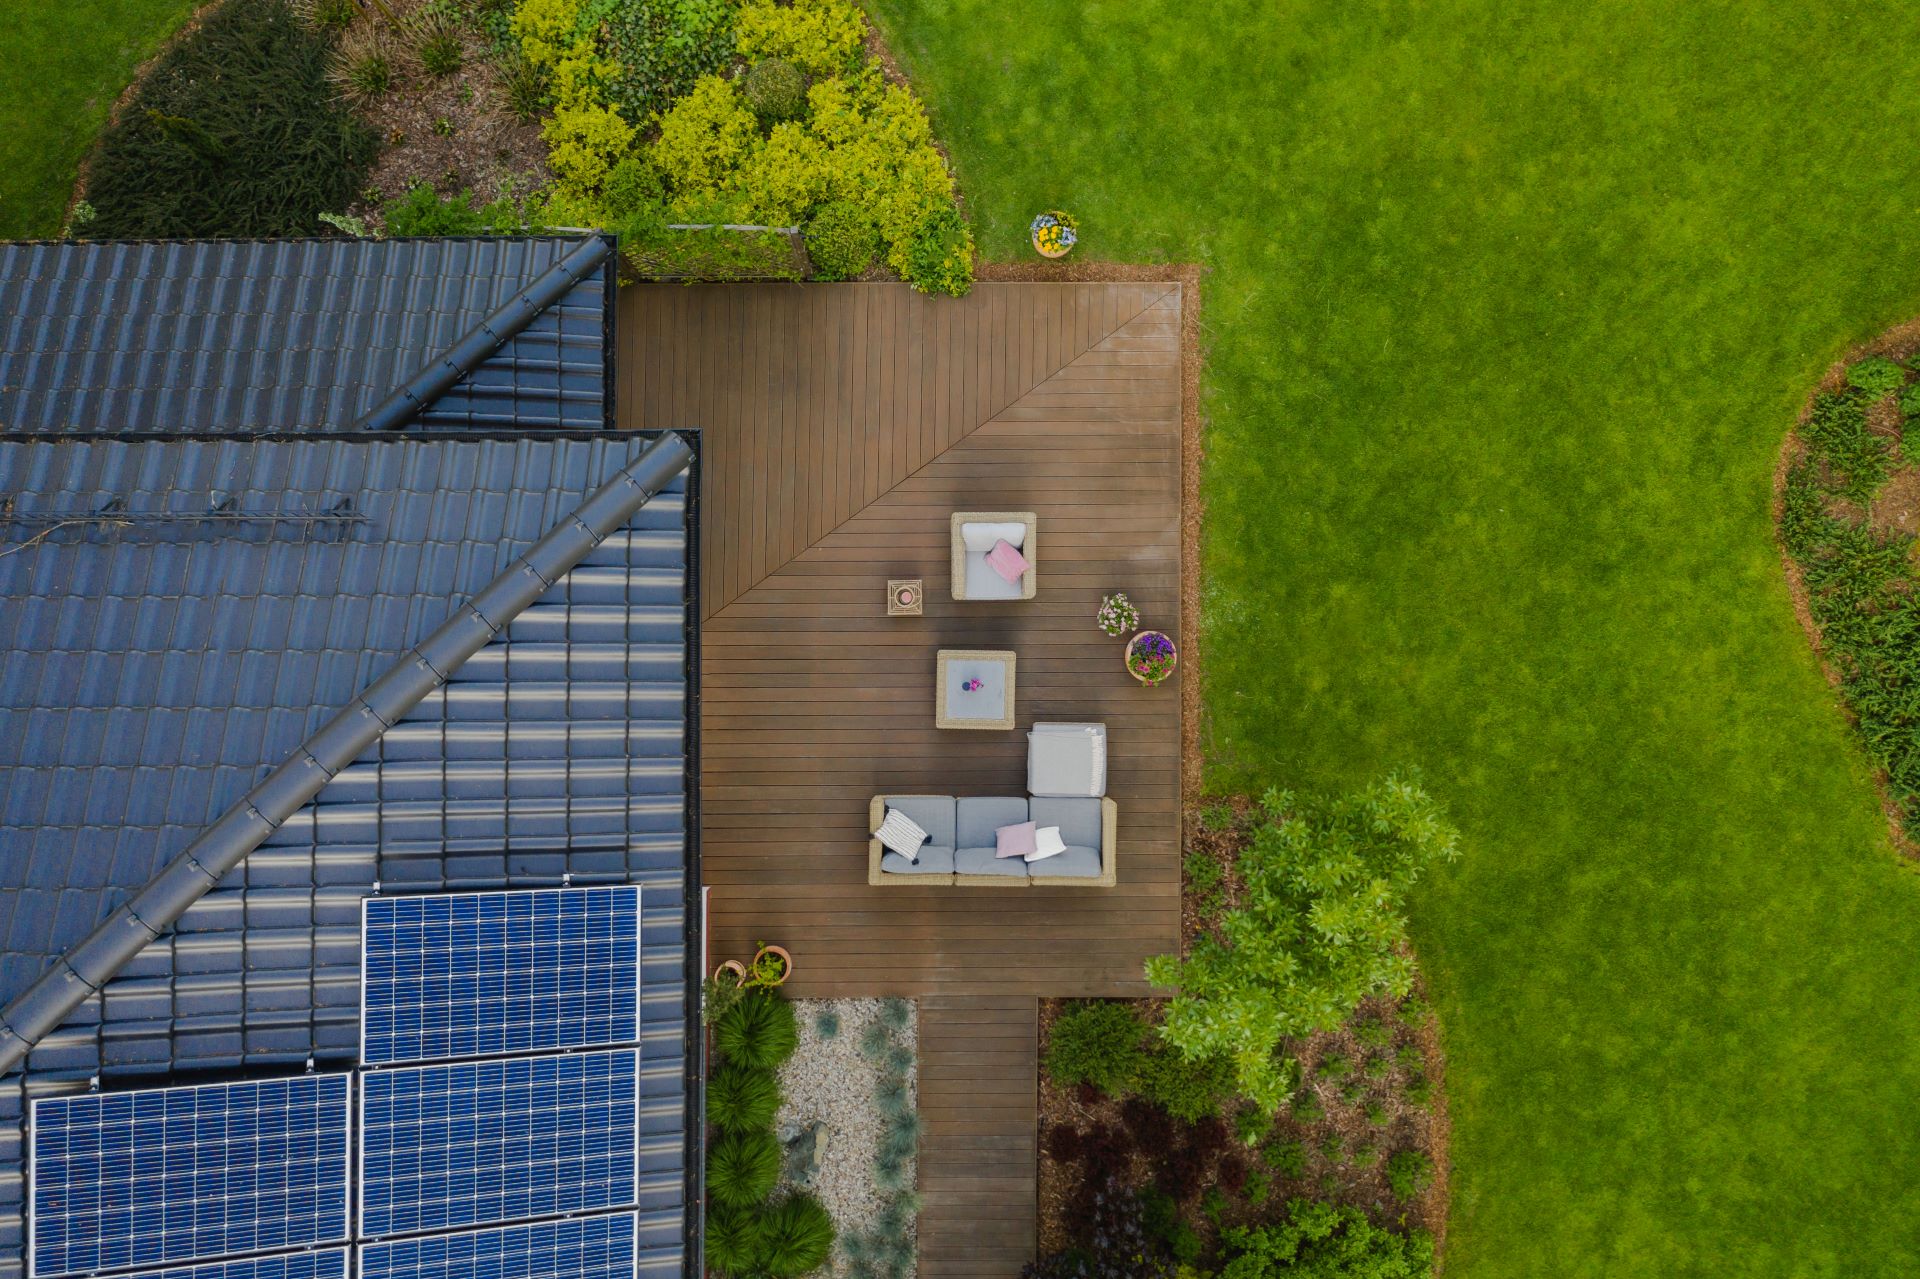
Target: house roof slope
(210,336)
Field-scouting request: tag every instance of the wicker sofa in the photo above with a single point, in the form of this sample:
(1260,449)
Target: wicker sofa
(960,850)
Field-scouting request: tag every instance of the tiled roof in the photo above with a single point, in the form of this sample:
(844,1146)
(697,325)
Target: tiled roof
(232,335)
(213,602)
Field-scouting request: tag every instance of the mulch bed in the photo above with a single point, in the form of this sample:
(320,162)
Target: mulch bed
(1213,835)
(1899,508)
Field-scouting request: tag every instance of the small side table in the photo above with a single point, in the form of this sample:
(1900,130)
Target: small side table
(905,595)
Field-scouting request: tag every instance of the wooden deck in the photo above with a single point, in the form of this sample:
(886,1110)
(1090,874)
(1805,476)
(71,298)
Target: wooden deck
(979,1086)
(841,425)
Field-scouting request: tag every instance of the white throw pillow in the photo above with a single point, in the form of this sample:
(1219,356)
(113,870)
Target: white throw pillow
(902,835)
(1046,843)
(979,538)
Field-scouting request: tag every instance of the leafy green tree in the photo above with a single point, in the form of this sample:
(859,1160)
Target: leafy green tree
(1325,1241)
(1319,929)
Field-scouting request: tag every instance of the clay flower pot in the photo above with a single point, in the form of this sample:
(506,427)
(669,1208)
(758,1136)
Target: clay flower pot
(772,965)
(731,968)
(1151,656)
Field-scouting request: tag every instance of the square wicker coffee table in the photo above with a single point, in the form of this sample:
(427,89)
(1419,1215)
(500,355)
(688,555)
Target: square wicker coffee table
(989,706)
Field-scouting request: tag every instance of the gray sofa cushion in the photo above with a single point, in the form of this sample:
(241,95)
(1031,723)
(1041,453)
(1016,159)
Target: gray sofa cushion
(933,814)
(1067,759)
(1075,863)
(935,859)
(984,861)
(977,820)
(1078,820)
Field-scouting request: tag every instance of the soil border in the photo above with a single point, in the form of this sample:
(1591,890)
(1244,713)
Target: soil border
(1900,342)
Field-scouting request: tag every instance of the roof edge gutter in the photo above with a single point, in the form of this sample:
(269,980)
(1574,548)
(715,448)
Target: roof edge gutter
(411,397)
(87,967)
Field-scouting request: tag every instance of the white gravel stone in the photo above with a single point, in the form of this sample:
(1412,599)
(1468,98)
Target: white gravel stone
(828,1081)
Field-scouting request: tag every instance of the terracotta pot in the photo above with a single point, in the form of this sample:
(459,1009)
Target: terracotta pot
(1126,657)
(734,966)
(786,962)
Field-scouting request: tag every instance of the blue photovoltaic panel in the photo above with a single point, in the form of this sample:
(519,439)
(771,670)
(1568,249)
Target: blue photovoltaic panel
(464,1145)
(179,1174)
(582,1248)
(479,974)
(328,1263)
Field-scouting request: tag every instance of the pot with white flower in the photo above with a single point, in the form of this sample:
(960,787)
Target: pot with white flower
(1117,615)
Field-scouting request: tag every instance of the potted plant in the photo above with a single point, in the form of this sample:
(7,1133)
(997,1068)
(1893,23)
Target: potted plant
(1151,657)
(1117,615)
(771,966)
(1054,233)
(728,983)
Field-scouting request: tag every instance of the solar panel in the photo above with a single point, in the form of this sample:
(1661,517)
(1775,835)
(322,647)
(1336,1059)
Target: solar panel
(443,1147)
(479,974)
(581,1248)
(179,1174)
(328,1263)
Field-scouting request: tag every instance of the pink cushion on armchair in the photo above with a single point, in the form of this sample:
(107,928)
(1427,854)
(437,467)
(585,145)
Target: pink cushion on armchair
(1006,560)
(1016,840)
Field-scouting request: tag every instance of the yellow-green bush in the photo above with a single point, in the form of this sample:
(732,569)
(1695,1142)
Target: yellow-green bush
(818,36)
(705,139)
(546,29)
(583,142)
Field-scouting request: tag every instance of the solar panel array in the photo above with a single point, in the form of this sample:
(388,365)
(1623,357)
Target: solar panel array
(178,1174)
(582,1248)
(327,1263)
(477,1142)
(492,1127)
(482,974)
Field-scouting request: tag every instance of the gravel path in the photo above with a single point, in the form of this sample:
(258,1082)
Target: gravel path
(828,1081)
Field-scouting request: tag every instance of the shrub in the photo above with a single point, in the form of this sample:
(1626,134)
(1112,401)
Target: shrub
(236,132)
(1371,1032)
(760,1030)
(1354,1092)
(742,1168)
(826,1024)
(733,1241)
(1379,1067)
(1100,1043)
(434,35)
(1410,1057)
(742,1099)
(421,211)
(1306,1107)
(584,143)
(1204,872)
(1319,929)
(1366,1155)
(896,1014)
(893,1096)
(939,258)
(1419,1091)
(1409,1173)
(362,67)
(1150,1127)
(820,37)
(1287,1157)
(1910,401)
(707,135)
(775,89)
(1876,376)
(1378,1115)
(663,47)
(1334,1066)
(1251,1126)
(1259,1187)
(1325,1240)
(1334,1149)
(795,1236)
(1112,1243)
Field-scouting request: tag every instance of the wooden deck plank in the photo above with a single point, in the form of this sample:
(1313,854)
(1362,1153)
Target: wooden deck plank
(978,1149)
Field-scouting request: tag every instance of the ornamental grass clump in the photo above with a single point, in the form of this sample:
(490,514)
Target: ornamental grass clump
(758,1030)
(741,1098)
(742,1168)
(795,1237)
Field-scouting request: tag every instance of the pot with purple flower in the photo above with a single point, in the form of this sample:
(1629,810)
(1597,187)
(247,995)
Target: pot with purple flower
(1151,657)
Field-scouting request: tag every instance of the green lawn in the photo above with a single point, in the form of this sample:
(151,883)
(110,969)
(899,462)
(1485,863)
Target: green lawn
(62,63)
(1509,308)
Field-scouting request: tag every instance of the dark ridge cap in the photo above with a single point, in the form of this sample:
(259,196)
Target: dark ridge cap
(86,967)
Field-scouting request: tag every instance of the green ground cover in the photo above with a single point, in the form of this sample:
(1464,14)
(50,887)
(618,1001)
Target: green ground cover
(1509,309)
(63,66)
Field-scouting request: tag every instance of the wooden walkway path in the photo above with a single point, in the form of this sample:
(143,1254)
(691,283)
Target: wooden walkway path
(979,1086)
(841,425)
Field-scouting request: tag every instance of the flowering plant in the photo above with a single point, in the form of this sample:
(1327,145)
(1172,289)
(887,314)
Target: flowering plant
(1117,615)
(1054,233)
(1151,656)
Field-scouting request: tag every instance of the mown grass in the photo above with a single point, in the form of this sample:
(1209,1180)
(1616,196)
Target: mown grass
(1509,309)
(61,67)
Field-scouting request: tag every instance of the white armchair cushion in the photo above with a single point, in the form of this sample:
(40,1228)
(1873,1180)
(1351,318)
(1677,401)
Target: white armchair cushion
(901,834)
(979,538)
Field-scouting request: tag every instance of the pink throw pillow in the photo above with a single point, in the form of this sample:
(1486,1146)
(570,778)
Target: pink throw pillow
(1006,560)
(1016,841)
